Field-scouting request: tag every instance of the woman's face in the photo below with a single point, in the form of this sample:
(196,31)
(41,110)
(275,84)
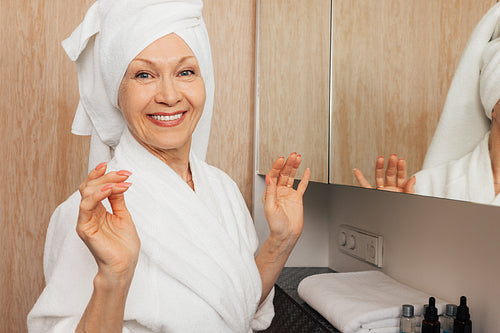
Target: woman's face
(162,95)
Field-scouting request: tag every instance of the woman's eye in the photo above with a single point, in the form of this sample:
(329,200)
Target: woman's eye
(186,72)
(142,75)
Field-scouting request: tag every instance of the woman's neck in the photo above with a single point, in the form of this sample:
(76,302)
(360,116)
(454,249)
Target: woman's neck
(176,159)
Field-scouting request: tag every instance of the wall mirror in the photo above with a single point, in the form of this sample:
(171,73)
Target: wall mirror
(343,82)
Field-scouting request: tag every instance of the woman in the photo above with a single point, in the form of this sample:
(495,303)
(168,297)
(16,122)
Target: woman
(463,161)
(168,243)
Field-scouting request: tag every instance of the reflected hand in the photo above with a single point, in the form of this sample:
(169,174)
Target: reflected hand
(283,206)
(111,237)
(395,176)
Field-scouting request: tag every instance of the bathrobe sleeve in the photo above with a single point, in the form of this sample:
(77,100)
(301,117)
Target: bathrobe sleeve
(265,312)
(69,270)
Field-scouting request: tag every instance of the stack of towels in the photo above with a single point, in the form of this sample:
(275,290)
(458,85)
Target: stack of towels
(362,302)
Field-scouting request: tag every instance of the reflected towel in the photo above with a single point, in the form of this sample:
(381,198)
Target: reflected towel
(351,301)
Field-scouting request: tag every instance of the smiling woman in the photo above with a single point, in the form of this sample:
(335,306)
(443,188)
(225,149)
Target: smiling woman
(162,99)
(163,241)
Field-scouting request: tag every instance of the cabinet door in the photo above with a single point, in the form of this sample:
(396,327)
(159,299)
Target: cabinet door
(293,83)
(392,64)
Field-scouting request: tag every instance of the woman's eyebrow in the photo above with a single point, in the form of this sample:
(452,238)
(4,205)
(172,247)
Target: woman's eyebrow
(181,60)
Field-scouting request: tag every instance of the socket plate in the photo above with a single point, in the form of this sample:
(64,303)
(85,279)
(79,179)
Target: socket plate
(361,244)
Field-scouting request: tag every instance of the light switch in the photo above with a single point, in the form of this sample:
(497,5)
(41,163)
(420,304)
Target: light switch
(361,244)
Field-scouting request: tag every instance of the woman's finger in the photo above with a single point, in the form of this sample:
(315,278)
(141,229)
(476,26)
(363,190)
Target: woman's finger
(301,188)
(285,172)
(276,168)
(293,172)
(379,172)
(99,171)
(117,199)
(110,177)
(401,172)
(410,185)
(390,172)
(361,179)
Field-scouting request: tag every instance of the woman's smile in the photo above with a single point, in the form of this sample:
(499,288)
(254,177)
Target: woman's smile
(167,119)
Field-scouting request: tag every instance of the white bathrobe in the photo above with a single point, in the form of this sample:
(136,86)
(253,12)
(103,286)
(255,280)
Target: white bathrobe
(469,178)
(196,270)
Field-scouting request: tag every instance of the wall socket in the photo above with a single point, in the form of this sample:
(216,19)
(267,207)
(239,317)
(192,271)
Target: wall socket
(361,244)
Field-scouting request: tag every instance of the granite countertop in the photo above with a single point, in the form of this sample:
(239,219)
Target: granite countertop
(289,280)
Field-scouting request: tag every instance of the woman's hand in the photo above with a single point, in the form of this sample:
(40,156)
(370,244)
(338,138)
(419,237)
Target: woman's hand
(395,176)
(282,204)
(111,238)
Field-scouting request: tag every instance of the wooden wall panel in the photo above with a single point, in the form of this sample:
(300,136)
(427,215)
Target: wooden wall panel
(42,162)
(393,61)
(294,62)
(231,27)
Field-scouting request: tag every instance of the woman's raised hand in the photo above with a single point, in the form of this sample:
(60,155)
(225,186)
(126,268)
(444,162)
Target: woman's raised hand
(282,203)
(394,179)
(111,237)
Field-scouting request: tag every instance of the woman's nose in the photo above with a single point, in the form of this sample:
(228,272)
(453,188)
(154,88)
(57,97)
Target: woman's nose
(167,92)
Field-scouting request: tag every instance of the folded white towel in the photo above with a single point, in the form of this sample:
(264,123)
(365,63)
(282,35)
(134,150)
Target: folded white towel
(351,301)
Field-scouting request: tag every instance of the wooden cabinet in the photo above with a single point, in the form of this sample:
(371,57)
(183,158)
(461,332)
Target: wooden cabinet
(392,62)
(293,83)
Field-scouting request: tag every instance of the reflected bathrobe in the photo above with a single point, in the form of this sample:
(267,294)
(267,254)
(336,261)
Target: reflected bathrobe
(196,270)
(469,178)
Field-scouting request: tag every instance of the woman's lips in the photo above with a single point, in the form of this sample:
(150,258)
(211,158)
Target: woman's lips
(167,119)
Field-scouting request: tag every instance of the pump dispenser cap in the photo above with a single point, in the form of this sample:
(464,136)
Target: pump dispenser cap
(431,311)
(463,310)
(451,310)
(408,310)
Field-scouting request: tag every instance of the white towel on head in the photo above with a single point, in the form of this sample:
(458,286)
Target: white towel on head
(358,302)
(111,35)
(463,122)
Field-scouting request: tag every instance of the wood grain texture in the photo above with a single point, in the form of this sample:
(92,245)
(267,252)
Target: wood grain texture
(42,163)
(294,58)
(393,61)
(231,27)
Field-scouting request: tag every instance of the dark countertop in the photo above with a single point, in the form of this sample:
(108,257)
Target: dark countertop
(292,314)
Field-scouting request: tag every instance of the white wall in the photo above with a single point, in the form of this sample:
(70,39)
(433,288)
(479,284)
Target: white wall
(444,247)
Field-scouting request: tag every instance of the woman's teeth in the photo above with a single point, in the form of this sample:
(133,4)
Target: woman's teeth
(167,118)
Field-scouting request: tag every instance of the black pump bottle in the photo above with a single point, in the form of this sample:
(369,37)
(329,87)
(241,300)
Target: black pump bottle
(431,324)
(462,323)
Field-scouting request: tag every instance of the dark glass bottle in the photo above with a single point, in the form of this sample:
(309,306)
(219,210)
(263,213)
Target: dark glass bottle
(462,323)
(431,323)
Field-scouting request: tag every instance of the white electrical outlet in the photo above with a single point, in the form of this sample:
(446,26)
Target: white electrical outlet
(361,244)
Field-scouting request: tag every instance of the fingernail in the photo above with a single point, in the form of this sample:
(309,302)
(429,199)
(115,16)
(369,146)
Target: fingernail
(100,165)
(267,180)
(124,173)
(107,187)
(124,184)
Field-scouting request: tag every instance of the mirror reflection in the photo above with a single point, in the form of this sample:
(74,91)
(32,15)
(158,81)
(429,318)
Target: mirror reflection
(402,81)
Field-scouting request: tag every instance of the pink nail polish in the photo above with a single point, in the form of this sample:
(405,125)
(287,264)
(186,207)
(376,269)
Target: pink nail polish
(124,173)
(124,184)
(100,165)
(267,180)
(107,187)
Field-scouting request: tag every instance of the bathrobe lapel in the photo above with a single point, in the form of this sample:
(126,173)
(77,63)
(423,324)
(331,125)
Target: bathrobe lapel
(192,237)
